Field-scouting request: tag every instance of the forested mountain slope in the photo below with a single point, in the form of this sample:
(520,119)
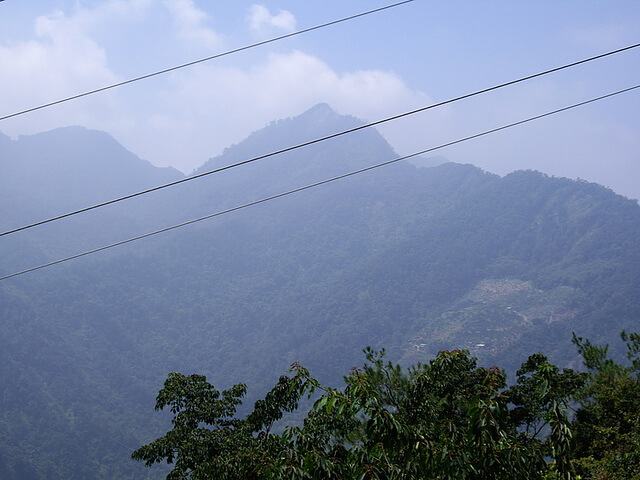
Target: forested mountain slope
(412,259)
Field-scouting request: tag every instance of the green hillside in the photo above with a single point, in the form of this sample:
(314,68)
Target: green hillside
(412,259)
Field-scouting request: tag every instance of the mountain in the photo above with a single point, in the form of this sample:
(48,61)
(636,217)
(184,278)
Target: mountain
(63,170)
(69,167)
(407,258)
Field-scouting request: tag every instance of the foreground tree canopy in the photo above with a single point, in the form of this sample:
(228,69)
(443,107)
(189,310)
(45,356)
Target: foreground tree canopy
(448,419)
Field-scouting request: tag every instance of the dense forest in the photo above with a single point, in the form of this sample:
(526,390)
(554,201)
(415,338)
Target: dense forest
(413,259)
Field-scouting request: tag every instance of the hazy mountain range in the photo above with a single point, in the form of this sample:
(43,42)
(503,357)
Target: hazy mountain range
(412,259)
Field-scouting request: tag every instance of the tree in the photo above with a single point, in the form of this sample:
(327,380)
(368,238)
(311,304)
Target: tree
(207,441)
(448,419)
(607,426)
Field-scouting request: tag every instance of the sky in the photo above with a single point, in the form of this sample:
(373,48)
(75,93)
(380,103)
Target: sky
(372,67)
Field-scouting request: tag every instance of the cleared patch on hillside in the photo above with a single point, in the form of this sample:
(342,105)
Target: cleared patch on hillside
(492,317)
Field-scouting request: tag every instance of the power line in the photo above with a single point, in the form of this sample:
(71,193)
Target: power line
(317,184)
(317,140)
(206,59)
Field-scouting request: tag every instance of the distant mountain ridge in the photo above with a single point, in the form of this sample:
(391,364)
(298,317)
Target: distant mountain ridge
(412,259)
(72,167)
(78,151)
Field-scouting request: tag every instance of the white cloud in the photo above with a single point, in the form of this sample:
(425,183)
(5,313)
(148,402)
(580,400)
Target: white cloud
(62,61)
(184,118)
(190,23)
(213,107)
(262,22)
(70,52)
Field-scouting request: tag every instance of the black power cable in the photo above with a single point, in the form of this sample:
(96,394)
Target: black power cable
(322,182)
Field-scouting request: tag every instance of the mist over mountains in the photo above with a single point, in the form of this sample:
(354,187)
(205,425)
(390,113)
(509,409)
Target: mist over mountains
(412,259)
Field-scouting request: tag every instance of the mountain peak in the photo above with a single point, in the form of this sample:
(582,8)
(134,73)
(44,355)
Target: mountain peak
(317,122)
(320,111)
(322,115)
(71,166)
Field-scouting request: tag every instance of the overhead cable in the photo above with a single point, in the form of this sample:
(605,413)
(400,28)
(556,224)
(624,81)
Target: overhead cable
(321,139)
(202,60)
(317,184)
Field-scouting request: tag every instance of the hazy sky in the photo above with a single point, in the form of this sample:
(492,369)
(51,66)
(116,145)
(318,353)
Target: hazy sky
(371,67)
